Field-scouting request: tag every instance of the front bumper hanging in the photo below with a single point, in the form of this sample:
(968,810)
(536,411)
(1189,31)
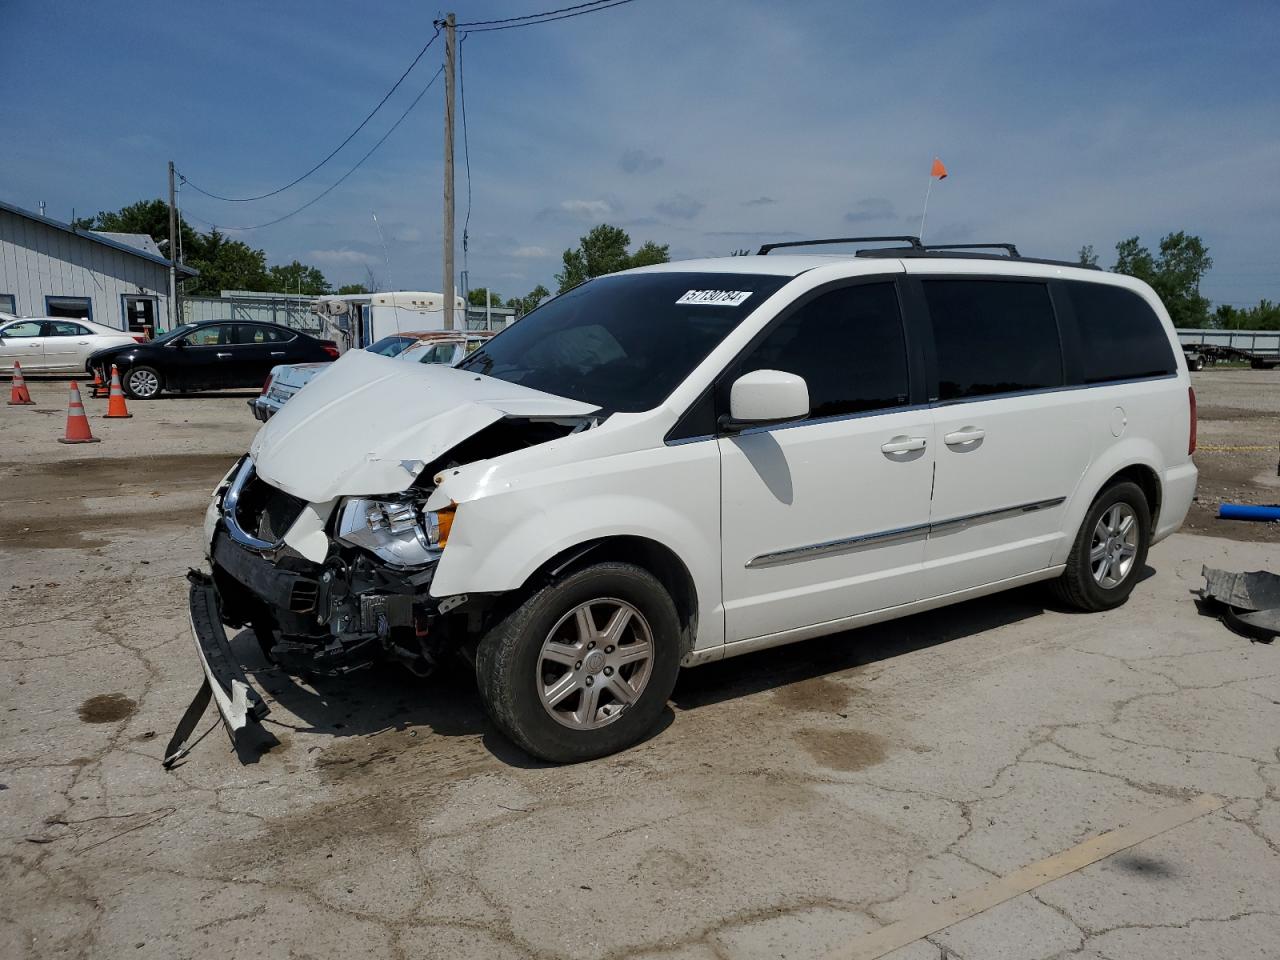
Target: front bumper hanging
(240,705)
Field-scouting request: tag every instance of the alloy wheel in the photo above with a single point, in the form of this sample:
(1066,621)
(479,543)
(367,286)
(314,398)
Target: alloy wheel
(594,663)
(1114,545)
(143,383)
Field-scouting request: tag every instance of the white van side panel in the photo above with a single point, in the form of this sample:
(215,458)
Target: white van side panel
(667,494)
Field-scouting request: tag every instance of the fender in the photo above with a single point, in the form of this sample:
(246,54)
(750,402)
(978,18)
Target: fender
(499,539)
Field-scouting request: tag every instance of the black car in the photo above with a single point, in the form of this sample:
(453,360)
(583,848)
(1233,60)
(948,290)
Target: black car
(211,355)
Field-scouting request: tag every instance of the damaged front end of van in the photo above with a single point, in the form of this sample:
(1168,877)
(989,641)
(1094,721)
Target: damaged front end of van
(326,537)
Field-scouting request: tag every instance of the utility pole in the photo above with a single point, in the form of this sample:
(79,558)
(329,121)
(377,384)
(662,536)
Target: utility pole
(450,40)
(173,255)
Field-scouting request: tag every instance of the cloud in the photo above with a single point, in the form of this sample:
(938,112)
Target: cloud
(759,202)
(679,207)
(639,161)
(343,257)
(870,210)
(530,252)
(580,211)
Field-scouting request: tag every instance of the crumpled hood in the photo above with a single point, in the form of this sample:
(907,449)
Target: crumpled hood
(370,424)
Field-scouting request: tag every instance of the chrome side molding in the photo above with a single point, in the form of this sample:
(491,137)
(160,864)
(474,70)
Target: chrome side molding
(831,548)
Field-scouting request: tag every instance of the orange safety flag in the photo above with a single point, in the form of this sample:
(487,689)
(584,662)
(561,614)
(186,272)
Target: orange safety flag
(938,170)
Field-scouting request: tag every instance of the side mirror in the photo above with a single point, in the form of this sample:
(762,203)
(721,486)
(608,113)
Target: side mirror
(763,397)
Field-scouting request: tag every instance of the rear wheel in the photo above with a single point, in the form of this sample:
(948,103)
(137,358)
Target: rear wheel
(142,383)
(584,666)
(1109,550)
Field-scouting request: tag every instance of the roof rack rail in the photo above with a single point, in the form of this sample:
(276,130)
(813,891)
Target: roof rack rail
(914,243)
(1009,248)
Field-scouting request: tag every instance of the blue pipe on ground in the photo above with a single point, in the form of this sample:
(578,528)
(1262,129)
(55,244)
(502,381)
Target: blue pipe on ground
(1245,511)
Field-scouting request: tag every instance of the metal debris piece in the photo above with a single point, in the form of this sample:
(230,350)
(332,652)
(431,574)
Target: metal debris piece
(1248,603)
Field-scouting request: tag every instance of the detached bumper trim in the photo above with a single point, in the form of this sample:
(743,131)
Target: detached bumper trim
(238,703)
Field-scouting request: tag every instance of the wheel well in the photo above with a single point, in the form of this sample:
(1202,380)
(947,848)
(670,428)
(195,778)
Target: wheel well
(1147,482)
(650,555)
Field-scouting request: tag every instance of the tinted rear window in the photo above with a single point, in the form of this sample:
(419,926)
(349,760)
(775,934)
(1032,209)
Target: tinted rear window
(993,336)
(1121,337)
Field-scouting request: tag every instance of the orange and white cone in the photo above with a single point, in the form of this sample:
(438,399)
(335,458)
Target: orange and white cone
(77,423)
(18,394)
(115,403)
(99,389)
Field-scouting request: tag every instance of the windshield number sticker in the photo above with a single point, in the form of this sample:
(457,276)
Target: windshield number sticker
(716,298)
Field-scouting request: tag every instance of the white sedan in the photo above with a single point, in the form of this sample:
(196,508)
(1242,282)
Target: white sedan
(56,344)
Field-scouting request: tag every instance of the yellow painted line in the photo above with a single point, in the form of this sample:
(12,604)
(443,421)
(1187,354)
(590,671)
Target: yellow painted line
(1224,448)
(932,917)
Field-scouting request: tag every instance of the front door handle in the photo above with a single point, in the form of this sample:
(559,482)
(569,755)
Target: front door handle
(223,356)
(964,435)
(903,445)
(277,353)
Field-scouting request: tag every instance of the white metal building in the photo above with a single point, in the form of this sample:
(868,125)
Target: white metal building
(49,268)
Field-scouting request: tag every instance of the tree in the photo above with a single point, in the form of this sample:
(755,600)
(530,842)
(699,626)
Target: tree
(352,288)
(522,305)
(604,250)
(476,297)
(1265,316)
(1087,257)
(224,264)
(1175,275)
(297,278)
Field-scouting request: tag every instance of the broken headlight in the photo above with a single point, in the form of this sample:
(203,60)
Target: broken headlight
(398,532)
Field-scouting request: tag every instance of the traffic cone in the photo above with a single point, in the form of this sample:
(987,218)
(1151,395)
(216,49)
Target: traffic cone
(77,423)
(99,390)
(19,395)
(115,403)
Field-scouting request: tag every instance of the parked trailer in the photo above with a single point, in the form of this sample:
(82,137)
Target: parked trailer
(1259,348)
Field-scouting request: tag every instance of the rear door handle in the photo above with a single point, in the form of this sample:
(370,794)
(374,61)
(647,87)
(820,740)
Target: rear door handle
(277,353)
(964,435)
(903,445)
(223,356)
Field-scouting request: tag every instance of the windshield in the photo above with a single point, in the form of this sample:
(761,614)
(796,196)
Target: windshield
(623,342)
(175,332)
(390,346)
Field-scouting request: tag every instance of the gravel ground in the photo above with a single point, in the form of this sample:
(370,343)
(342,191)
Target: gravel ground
(795,801)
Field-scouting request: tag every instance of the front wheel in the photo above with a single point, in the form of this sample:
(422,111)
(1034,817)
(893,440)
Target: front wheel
(142,383)
(583,668)
(1110,549)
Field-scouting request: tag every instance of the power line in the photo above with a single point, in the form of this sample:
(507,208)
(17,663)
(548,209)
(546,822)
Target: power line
(333,185)
(334,151)
(533,19)
(532,16)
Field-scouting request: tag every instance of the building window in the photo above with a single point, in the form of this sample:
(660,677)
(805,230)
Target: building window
(77,308)
(8,303)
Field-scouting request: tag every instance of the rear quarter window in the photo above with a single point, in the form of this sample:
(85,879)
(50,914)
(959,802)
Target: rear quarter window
(1121,337)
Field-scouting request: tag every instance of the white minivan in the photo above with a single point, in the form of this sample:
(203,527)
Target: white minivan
(685,462)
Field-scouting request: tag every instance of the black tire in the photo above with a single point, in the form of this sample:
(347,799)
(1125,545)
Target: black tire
(1197,364)
(141,373)
(1078,587)
(508,663)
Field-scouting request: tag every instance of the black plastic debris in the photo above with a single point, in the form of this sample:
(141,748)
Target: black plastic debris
(1248,603)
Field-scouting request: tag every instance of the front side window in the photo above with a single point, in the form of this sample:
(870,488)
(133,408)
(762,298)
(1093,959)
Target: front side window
(21,329)
(847,344)
(64,328)
(993,336)
(623,342)
(217,335)
(1120,335)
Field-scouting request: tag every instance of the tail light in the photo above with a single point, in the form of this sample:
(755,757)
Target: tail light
(266,385)
(329,347)
(1191,401)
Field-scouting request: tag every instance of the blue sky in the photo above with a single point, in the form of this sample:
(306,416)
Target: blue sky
(706,124)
